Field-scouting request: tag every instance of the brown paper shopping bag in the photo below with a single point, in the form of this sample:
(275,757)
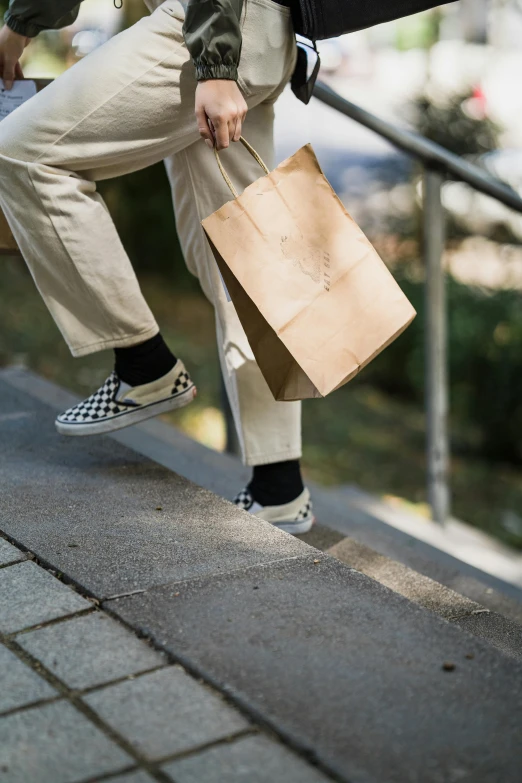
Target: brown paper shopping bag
(314,298)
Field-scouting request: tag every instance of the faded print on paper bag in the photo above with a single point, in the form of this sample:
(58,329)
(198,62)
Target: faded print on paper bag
(306,276)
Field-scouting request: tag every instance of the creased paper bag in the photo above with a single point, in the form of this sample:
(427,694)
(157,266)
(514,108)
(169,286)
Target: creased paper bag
(315,300)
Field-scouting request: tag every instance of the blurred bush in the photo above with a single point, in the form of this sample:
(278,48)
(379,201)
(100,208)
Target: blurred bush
(458,122)
(485,357)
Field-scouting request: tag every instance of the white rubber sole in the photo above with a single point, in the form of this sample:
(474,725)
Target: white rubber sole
(127,418)
(296,528)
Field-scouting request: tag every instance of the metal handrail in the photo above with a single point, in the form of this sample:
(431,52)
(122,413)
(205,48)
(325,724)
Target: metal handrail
(438,164)
(429,152)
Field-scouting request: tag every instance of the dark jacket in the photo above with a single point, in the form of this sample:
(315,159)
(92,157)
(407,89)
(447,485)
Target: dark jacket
(211,29)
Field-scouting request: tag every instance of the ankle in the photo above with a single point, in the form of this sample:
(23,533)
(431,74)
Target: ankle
(144,362)
(277,483)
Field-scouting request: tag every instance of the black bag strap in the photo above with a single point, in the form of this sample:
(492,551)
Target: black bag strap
(302,85)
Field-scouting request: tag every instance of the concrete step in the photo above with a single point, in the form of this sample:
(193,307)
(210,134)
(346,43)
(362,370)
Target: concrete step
(498,630)
(368,684)
(353,527)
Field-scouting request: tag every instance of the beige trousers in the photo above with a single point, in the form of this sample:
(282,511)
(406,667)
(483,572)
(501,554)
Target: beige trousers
(125,106)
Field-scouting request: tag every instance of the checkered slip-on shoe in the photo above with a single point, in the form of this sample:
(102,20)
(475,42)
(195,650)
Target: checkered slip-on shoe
(116,404)
(295,517)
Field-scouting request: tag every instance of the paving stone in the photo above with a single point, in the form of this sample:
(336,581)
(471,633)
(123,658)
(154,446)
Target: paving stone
(132,777)
(90,650)
(352,669)
(247,760)
(31,595)
(9,553)
(19,684)
(55,744)
(90,508)
(165,712)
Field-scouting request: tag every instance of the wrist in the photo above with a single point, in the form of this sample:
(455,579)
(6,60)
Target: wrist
(20,28)
(215,72)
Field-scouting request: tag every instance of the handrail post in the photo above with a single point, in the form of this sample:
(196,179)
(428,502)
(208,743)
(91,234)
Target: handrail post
(435,159)
(232,441)
(436,379)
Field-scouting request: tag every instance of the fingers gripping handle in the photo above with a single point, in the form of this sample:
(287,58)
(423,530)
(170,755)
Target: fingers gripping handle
(254,154)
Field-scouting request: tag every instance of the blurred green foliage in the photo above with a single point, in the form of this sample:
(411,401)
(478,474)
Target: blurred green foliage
(420,31)
(458,123)
(485,354)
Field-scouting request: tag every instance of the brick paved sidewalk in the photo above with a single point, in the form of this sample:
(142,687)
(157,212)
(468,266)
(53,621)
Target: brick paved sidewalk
(83,699)
(344,672)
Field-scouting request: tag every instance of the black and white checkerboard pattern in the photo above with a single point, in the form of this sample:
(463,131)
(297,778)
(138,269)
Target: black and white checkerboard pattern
(304,512)
(244,499)
(182,383)
(100,405)
(103,403)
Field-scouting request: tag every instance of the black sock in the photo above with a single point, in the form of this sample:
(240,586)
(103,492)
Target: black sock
(144,363)
(277,483)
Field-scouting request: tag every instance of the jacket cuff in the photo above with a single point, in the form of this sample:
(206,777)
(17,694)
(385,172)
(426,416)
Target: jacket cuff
(216,72)
(27,29)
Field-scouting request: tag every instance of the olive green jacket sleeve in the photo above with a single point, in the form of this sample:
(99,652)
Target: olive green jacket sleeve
(212,29)
(30,17)
(213,37)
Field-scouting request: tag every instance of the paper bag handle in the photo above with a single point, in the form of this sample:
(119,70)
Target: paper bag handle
(254,154)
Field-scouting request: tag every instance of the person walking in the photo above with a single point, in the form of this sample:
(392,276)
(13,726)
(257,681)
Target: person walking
(206,70)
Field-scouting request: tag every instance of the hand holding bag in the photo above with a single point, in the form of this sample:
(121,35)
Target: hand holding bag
(314,298)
